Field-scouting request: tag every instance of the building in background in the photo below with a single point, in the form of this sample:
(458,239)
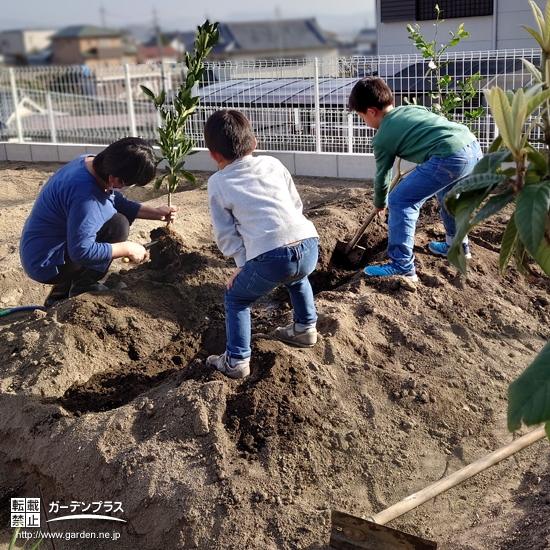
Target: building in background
(291,39)
(366,42)
(26,47)
(91,46)
(154,54)
(173,48)
(492,24)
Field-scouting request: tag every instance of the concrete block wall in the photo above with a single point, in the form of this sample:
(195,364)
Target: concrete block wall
(331,165)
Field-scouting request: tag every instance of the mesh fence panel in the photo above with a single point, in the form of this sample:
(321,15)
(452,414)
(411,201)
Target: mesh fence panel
(294,104)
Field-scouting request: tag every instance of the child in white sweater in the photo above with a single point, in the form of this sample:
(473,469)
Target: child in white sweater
(258,221)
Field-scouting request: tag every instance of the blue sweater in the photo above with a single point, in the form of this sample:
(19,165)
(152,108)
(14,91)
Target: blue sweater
(68,212)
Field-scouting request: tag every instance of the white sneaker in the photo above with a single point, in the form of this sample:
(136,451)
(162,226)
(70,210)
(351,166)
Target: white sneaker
(220,362)
(289,335)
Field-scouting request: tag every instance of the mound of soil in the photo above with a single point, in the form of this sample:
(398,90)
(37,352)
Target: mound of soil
(106,396)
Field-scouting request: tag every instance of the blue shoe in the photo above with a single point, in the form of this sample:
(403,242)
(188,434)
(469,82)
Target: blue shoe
(442,248)
(393,268)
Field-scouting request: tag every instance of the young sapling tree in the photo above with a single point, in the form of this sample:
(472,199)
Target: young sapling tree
(174,144)
(445,100)
(515,173)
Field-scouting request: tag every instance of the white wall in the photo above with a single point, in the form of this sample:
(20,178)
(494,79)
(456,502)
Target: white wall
(330,165)
(22,42)
(37,40)
(11,43)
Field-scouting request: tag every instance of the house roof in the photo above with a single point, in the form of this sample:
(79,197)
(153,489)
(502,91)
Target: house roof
(259,36)
(85,31)
(153,51)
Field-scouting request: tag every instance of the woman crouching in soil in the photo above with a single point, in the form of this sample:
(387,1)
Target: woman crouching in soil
(80,220)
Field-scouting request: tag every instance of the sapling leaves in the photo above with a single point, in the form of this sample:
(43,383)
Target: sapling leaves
(508,246)
(464,207)
(538,160)
(495,204)
(529,394)
(526,235)
(473,182)
(520,257)
(491,162)
(533,202)
(147,92)
(172,140)
(542,257)
(445,99)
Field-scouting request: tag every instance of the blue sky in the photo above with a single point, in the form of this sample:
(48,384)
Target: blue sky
(341,16)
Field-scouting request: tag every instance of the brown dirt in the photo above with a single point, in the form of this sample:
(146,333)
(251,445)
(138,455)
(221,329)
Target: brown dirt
(107,397)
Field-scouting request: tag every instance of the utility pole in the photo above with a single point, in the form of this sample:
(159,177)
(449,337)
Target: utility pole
(159,45)
(102,17)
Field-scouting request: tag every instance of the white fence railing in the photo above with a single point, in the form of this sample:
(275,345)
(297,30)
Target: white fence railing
(294,105)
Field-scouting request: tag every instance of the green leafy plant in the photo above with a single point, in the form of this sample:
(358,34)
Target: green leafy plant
(174,144)
(515,173)
(445,100)
(13,541)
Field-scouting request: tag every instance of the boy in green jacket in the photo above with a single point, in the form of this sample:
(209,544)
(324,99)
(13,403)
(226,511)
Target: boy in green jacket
(444,151)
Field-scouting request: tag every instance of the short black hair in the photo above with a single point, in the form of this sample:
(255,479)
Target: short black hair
(131,159)
(229,133)
(370,92)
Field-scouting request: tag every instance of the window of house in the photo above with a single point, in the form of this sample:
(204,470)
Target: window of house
(424,10)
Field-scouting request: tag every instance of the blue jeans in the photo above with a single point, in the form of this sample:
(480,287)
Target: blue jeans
(436,177)
(288,265)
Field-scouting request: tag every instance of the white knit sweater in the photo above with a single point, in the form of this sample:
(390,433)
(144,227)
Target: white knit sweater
(255,208)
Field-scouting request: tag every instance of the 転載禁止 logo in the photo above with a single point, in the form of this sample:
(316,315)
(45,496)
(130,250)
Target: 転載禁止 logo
(25,512)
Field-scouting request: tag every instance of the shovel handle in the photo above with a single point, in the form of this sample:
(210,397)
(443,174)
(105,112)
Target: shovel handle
(396,179)
(360,231)
(459,476)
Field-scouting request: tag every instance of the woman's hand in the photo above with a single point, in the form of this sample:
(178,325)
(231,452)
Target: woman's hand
(162,213)
(233,277)
(135,252)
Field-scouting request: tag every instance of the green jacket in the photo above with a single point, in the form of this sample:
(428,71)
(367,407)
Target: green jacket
(415,134)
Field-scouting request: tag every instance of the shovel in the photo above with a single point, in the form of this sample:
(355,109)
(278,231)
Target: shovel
(355,253)
(350,532)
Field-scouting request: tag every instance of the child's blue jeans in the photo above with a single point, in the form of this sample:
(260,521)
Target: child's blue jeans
(436,177)
(288,265)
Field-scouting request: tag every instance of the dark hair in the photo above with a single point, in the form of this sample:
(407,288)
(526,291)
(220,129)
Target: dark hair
(370,92)
(131,159)
(229,133)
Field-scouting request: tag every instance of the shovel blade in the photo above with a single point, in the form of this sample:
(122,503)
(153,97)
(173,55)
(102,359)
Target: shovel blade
(353,533)
(342,247)
(344,255)
(355,255)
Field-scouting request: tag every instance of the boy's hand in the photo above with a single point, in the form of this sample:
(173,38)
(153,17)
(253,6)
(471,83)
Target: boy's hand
(379,211)
(233,277)
(167,212)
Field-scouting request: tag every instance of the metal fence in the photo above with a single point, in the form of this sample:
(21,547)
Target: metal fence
(294,105)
